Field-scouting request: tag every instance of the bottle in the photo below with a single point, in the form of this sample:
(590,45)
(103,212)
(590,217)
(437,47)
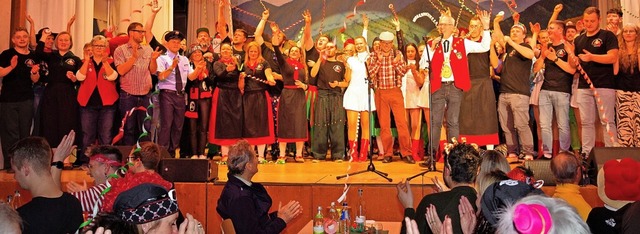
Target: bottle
(317,222)
(332,212)
(360,213)
(345,220)
(333,223)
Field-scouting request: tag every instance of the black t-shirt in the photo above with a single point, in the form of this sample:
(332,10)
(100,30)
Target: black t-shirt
(239,54)
(516,70)
(51,215)
(603,220)
(312,55)
(556,79)
(269,55)
(627,81)
(330,71)
(17,85)
(601,75)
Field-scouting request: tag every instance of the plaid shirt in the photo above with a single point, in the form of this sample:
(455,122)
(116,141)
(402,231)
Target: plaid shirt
(386,74)
(138,80)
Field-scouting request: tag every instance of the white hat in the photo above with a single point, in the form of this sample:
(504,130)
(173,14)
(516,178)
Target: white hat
(386,36)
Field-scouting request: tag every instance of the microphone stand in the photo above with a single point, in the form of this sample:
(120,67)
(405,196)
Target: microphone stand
(371,167)
(430,162)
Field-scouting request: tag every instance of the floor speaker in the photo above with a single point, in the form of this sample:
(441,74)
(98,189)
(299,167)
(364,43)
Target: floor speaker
(188,170)
(600,155)
(541,170)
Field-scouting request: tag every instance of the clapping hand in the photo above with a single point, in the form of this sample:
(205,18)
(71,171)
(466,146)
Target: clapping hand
(485,18)
(404,194)
(74,187)
(65,147)
(14,61)
(156,53)
(71,76)
(289,211)
(586,57)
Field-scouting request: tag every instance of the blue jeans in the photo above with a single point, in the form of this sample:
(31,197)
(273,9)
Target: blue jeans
(450,96)
(589,112)
(513,112)
(96,124)
(558,102)
(135,122)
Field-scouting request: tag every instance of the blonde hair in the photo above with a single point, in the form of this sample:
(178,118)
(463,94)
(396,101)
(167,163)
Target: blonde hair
(246,55)
(628,57)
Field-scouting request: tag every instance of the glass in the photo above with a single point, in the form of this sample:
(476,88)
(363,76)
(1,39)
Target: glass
(99,46)
(138,31)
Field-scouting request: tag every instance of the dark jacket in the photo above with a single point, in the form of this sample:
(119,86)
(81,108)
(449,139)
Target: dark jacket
(248,207)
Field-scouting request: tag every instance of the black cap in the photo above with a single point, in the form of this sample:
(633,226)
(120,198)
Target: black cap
(39,34)
(203,29)
(502,193)
(174,35)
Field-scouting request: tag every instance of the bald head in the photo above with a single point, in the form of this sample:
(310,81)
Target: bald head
(565,168)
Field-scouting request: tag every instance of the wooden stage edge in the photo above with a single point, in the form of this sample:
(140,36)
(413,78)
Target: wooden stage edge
(312,184)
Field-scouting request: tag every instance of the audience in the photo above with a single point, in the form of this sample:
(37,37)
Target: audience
(567,173)
(618,182)
(540,214)
(10,221)
(247,203)
(461,165)
(50,210)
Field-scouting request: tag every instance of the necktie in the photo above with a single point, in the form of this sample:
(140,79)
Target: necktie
(179,85)
(446,46)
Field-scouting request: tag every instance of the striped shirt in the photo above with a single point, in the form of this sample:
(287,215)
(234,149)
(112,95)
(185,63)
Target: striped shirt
(138,80)
(90,197)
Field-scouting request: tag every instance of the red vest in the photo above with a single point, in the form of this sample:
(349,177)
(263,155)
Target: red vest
(106,88)
(459,66)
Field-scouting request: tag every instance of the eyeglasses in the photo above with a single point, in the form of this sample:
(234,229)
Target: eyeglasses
(99,46)
(132,158)
(138,31)
(629,31)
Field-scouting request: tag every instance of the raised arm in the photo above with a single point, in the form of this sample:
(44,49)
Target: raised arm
(260,28)
(308,41)
(316,67)
(524,51)
(221,27)
(399,34)
(148,26)
(70,23)
(554,16)
(497,30)
(365,28)
(32,32)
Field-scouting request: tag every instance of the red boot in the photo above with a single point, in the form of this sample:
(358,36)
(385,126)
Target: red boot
(421,149)
(415,149)
(364,150)
(353,150)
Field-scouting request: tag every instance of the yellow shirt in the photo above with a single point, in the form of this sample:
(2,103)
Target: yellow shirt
(571,194)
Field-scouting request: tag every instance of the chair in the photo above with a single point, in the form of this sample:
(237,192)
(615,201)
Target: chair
(227,227)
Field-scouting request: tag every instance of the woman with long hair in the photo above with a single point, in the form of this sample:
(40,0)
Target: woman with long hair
(257,118)
(355,102)
(411,84)
(226,121)
(292,119)
(628,85)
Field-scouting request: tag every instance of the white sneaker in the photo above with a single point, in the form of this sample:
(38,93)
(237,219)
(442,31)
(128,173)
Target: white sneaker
(194,156)
(202,156)
(528,157)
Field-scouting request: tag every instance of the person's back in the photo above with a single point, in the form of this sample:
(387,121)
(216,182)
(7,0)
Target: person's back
(50,210)
(566,170)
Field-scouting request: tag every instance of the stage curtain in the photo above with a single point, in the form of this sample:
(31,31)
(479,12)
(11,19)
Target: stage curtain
(204,13)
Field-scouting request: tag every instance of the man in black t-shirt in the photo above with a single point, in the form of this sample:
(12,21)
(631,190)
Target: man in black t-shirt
(18,73)
(513,103)
(329,116)
(597,50)
(50,210)
(556,89)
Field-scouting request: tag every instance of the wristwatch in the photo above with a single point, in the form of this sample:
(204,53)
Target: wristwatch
(556,60)
(58,164)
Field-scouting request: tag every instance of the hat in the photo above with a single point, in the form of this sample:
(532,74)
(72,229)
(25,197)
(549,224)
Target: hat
(145,203)
(174,35)
(619,182)
(348,41)
(502,193)
(39,34)
(203,29)
(570,25)
(386,36)
(520,26)
(194,48)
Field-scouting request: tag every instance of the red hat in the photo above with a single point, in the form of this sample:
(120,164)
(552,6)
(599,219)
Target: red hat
(619,182)
(348,41)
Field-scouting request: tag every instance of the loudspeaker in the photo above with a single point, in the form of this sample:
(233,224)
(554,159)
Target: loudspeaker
(541,170)
(600,155)
(188,170)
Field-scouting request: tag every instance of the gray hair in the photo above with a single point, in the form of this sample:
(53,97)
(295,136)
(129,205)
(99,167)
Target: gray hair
(10,221)
(239,155)
(565,217)
(100,38)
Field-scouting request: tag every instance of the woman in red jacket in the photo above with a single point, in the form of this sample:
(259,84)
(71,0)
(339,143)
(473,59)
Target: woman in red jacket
(97,94)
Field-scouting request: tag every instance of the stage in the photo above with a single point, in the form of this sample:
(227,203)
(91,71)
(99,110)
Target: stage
(312,184)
